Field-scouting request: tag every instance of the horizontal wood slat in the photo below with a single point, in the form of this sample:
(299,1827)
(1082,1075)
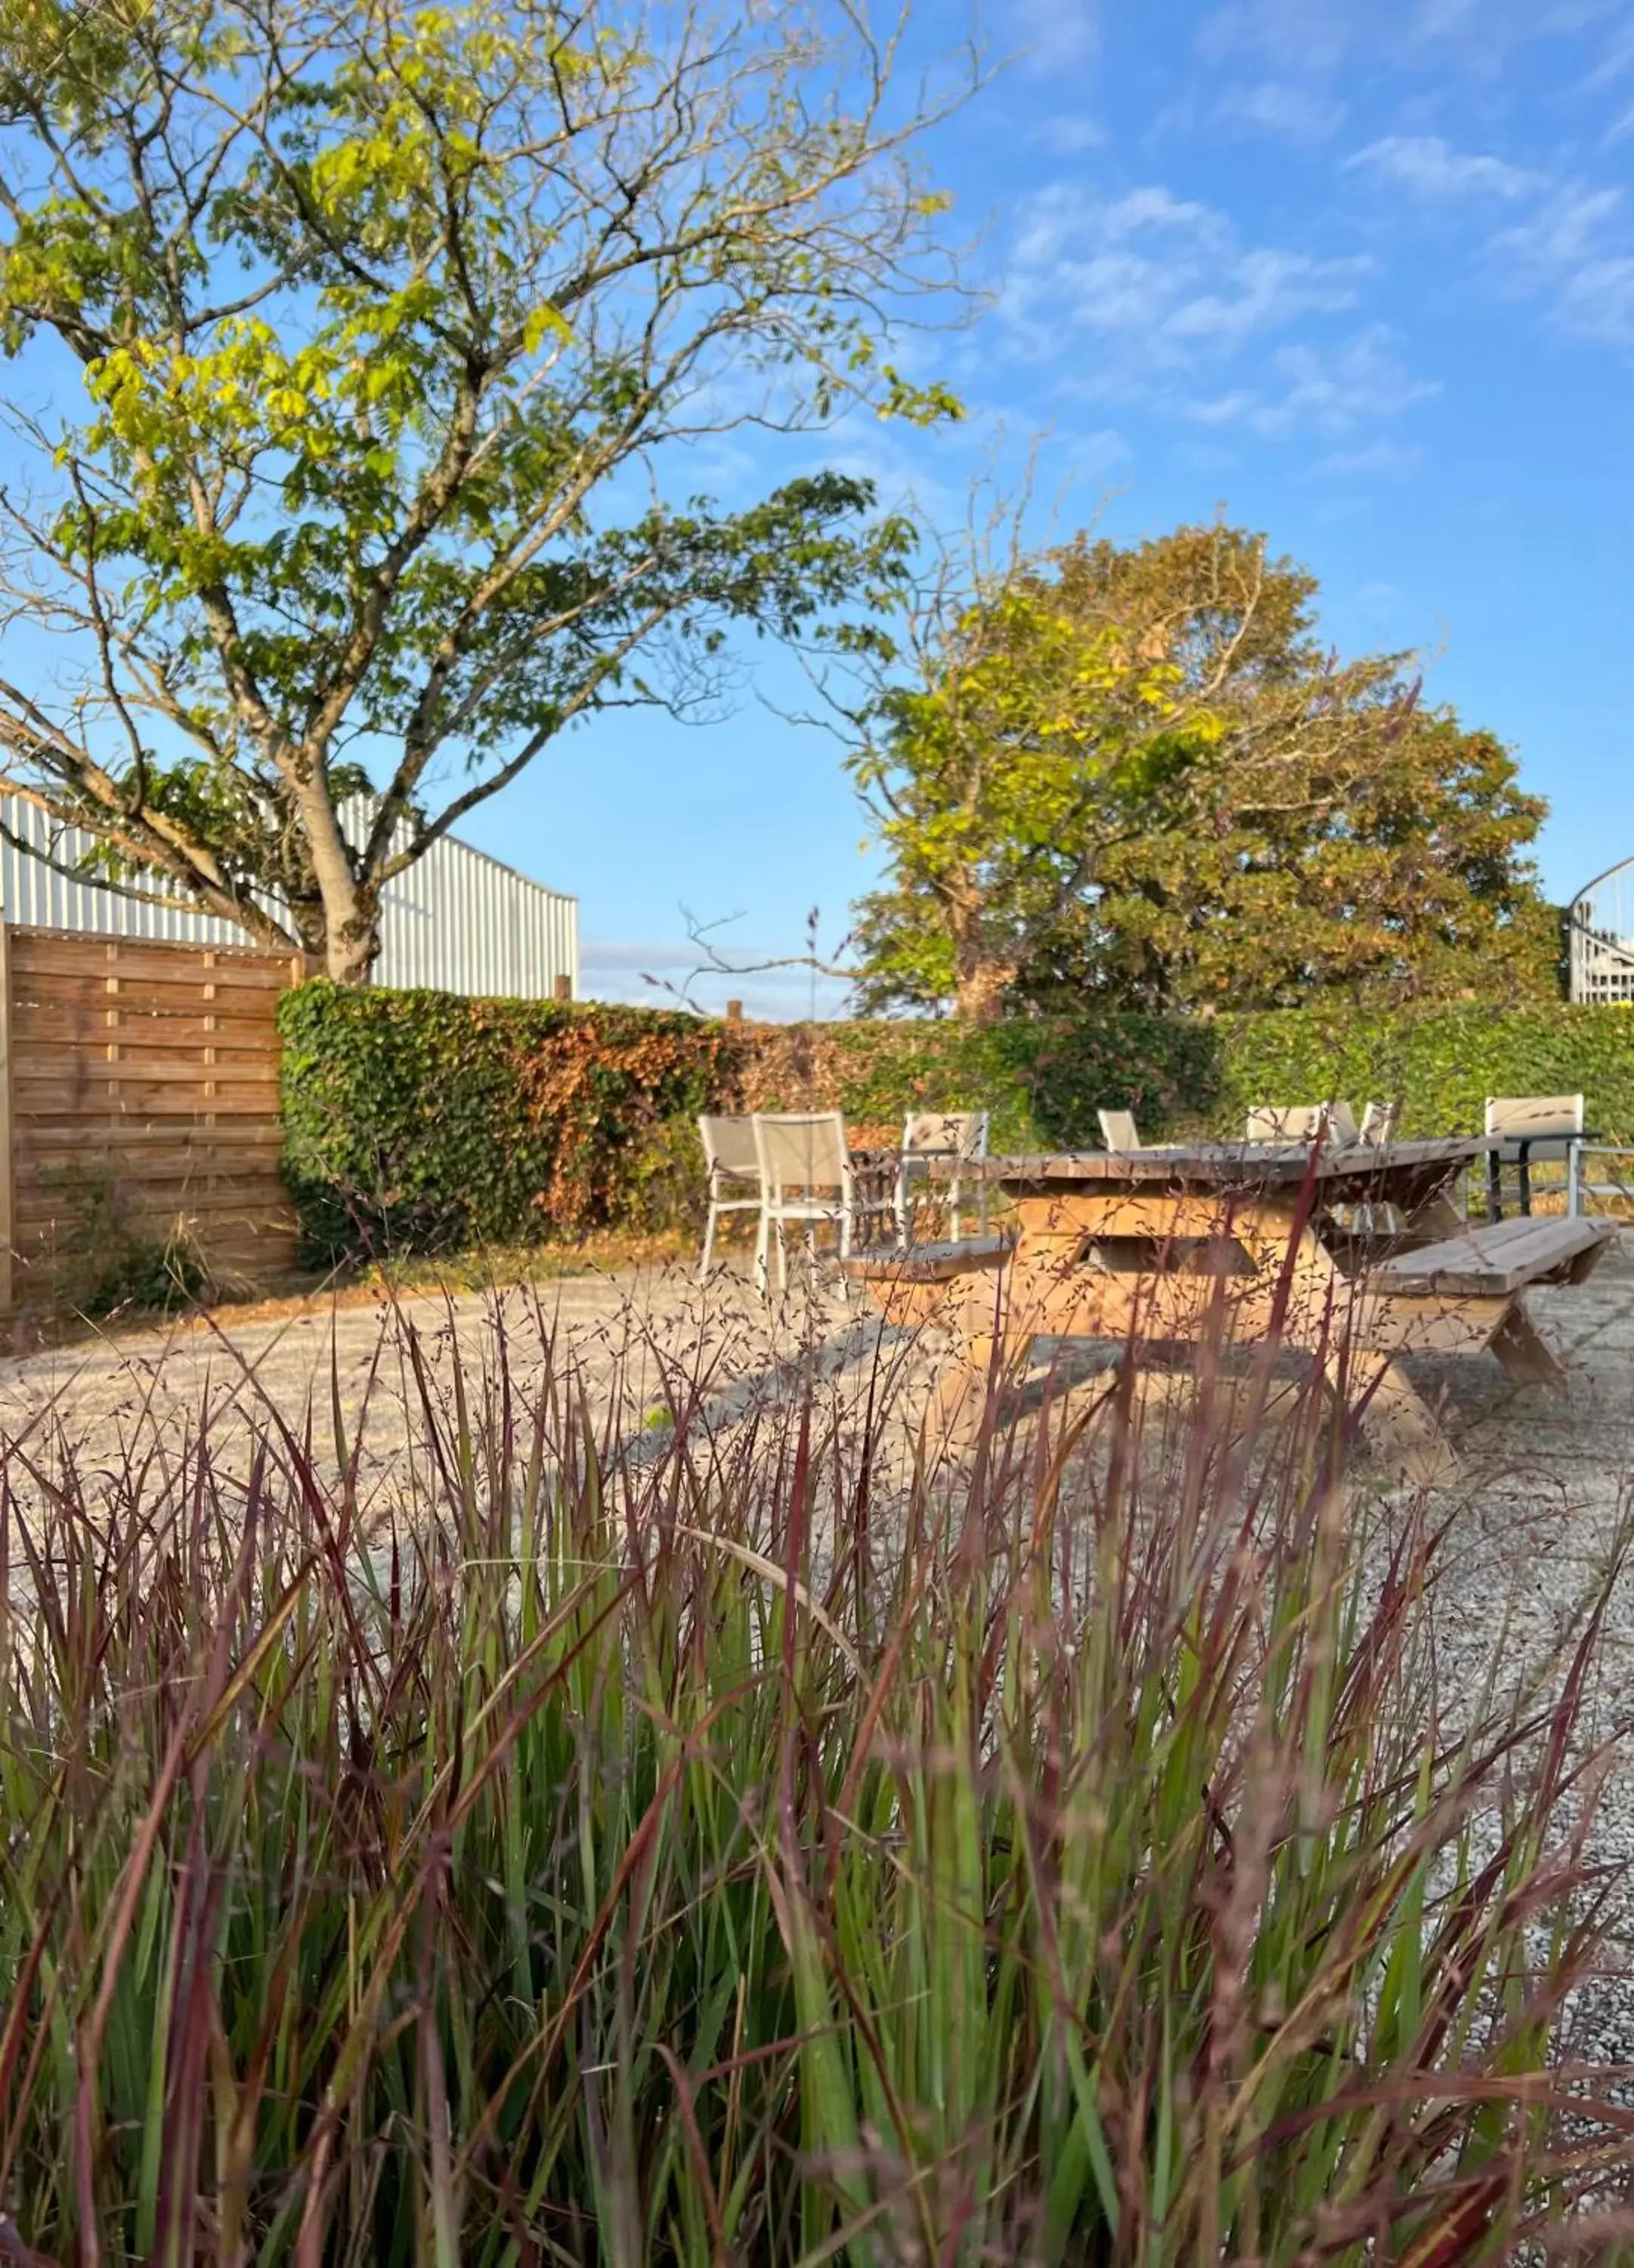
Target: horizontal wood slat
(142,1091)
(92,996)
(54,1025)
(58,953)
(1492,1260)
(145,1105)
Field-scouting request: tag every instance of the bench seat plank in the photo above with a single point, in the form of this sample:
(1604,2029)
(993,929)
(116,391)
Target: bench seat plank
(1493,1261)
(928,1263)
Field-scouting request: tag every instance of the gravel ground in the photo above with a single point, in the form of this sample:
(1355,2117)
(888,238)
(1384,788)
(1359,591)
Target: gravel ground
(1538,1512)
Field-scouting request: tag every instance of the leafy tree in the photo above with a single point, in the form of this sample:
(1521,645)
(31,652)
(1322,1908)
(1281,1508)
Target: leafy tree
(1135,774)
(373,337)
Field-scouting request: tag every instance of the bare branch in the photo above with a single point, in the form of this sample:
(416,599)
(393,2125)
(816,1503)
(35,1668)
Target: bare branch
(712,962)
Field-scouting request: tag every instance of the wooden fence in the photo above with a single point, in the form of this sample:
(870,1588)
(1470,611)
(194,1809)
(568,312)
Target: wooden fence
(140,1092)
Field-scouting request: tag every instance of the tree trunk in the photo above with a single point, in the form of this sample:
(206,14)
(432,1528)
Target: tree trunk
(351,908)
(979,993)
(979,977)
(352,943)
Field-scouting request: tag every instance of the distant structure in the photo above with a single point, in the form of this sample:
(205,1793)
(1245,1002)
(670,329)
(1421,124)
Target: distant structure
(456,921)
(1600,930)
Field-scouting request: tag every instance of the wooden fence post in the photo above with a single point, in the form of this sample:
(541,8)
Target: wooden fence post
(561,988)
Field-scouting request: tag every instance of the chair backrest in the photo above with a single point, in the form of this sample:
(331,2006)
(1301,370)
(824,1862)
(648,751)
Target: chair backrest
(1379,1121)
(1118,1130)
(1285,1121)
(1339,1121)
(946,1133)
(729,1151)
(802,1149)
(1524,1117)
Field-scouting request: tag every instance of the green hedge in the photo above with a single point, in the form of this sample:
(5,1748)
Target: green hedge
(1045,1081)
(423,1121)
(1042,1082)
(1441,1066)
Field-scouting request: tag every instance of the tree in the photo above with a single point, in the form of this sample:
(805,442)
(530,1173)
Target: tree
(1134,774)
(374,333)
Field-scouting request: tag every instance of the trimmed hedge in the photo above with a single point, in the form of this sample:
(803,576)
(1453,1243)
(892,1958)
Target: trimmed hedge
(421,1120)
(424,1122)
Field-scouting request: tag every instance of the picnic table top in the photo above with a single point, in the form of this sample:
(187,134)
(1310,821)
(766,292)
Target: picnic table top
(1234,1165)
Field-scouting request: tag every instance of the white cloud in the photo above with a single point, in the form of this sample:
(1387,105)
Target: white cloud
(1316,38)
(1332,391)
(1070,134)
(1278,107)
(1053,35)
(1569,256)
(1428,168)
(1165,283)
(1381,459)
(1564,236)
(1617,57)
(601,957)
(1317,32)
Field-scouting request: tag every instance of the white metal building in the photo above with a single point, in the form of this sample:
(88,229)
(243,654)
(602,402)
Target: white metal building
(456,920)
(1601,932)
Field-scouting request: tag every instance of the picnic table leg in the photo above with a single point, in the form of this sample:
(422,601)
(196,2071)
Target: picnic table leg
(1404,1428)
(959,1398)
(1437,1215)
(1525,1357)
(958,1403)
(1396,1415)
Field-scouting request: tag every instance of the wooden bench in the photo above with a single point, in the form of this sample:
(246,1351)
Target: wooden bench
(910,1283)
(1493,1261)
(1462,1292)
(1441,1287)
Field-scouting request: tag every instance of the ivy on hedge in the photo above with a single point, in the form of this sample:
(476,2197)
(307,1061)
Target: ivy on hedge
(421,1120)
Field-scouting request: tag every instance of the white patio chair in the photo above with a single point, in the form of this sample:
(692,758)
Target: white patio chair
(734,1166)
(948,1138)
(1118,1130)
(806,1175)
(1340,1122)
(1374,1217)
(1286,1121)
(1535,1127)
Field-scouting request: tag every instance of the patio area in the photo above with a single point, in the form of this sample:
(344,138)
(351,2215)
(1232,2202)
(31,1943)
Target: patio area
(1535,1515)
(1554,1464)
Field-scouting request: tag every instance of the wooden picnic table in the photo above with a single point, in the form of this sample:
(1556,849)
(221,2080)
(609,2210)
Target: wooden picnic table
(1260,1240)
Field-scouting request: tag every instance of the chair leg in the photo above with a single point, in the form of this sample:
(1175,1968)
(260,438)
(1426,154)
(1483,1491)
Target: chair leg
(760,1254)
(900,1208)
(953,1196)
(709,1244)
(783,1257)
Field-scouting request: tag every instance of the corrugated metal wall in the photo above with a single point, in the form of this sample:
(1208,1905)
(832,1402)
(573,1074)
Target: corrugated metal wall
(455,920)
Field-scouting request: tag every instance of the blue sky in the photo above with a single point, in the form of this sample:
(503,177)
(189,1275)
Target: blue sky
(1360,273)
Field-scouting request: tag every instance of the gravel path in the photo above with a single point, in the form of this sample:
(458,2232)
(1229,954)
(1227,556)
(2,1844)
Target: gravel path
(1546,1483)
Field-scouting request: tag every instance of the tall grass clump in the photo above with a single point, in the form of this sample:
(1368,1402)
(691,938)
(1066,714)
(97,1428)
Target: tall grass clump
(722,1847)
